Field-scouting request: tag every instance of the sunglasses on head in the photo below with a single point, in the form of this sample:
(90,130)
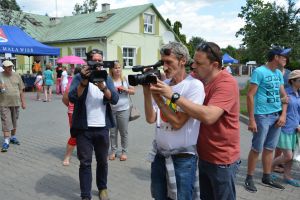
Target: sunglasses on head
(96,51)
(206,48)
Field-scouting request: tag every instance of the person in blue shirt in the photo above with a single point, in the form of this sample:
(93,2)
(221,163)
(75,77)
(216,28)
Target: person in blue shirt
(92,118)
(288,135)
(266,115)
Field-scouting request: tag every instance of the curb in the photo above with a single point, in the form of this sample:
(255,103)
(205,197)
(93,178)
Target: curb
(244,119)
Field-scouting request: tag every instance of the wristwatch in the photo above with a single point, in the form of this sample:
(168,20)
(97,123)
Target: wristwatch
(175,97)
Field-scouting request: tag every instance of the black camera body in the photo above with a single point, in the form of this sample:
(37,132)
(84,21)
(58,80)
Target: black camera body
(99,75)
(149,74)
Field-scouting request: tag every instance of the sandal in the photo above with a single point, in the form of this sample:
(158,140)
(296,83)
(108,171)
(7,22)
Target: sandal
(112,156)
(123,157)
(292,182)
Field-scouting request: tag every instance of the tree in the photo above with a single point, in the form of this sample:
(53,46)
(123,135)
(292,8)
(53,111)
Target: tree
(9,5)
(11,14)
(168,22)
(88,6)
(193,43)
(269,24)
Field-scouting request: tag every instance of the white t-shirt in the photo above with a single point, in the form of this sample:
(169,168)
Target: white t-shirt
(95,109)
(123,103)
(228,68)
(1,69)
(167,138)
(39,80)
(64,77)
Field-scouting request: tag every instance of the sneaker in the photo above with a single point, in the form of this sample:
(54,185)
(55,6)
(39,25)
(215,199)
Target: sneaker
(292,182)
(249,186)
(103,195)
(271,183)
(14,141)
(4,147)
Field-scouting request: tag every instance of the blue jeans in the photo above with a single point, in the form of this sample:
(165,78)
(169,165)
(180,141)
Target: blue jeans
(267,135)
(185,172)
(97,139)
(217,182)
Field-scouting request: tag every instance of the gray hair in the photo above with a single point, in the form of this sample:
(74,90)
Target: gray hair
(178,49)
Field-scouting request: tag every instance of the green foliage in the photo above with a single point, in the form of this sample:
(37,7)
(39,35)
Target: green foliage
(193,43)
(268,24)
(11,14)
(88,6)
(9,5)
(294,64)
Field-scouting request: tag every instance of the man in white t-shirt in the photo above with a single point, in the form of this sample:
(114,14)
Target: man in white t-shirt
(174,147)
(228,68)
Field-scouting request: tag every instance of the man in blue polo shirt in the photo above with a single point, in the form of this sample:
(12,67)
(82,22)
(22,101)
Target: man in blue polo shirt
(267,115)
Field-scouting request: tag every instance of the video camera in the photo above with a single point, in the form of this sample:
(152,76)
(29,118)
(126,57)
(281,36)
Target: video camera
(99,75)
(149,74)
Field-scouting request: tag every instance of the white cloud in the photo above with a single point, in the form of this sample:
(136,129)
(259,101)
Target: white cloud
(220,28)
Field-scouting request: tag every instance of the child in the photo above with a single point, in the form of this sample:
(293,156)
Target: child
(38,83)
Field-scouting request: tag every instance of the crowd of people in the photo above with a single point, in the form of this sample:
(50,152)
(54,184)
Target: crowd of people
(196,149)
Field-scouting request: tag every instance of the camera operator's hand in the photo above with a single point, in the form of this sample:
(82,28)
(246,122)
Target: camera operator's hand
(161,88)
(85,72)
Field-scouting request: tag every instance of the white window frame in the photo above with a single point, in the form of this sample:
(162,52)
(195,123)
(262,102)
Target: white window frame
(149,24)
(125,66)
(52,60)
(83,56)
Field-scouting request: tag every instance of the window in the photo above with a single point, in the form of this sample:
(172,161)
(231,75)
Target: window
(52,59)
(80,52)
(129,57)
(148,23)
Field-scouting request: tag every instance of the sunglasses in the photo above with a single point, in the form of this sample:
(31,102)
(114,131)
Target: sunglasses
(168,51)
(96,51)
(206,48)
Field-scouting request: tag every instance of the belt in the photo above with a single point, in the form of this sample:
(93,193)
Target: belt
(183,155)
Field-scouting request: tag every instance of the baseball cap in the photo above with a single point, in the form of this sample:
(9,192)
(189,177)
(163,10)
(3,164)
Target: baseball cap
(280,51)
(294,74)
(7,63)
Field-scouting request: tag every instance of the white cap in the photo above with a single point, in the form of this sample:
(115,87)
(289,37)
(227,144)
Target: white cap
(7,63)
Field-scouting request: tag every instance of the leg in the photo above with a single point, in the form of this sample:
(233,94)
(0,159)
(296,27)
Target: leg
(45,92)
(267,158)
(101,146)
(158,178)
(69,150)
(50,93)
(185,172)
(114,137)
(84,153)
(223,181)
(122,120)
(206,188)
(252,160)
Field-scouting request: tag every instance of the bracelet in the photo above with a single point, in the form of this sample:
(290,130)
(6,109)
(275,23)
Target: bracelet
(103,90)
(83,85)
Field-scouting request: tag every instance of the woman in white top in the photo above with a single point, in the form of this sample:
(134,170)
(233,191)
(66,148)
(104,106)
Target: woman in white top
(64,79)
(120,112)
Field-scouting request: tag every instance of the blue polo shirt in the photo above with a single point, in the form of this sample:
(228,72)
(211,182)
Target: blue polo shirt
(267,98)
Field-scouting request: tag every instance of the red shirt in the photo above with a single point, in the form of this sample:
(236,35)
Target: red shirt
(219,143)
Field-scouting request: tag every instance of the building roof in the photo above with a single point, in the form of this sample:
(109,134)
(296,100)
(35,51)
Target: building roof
(84,26)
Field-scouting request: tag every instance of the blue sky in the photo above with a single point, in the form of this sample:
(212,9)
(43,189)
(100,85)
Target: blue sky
(213,20)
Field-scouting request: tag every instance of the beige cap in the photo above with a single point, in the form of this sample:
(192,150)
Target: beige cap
(7,63)
(294,74)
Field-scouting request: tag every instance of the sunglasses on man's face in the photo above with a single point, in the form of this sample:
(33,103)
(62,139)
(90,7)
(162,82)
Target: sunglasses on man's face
(206,48)
(95,51)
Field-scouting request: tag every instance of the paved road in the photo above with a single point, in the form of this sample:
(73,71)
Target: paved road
(33,170)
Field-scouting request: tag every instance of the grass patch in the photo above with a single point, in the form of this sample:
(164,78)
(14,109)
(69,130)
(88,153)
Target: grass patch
(243,105)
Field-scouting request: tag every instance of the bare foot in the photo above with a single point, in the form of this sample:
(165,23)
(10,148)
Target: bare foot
(66,162)
(112,156)
(123,157)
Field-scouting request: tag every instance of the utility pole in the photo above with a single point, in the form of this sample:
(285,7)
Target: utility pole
(56,8)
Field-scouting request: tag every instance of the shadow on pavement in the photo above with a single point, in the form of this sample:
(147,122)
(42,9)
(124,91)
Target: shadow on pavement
(54,185)
(141,174)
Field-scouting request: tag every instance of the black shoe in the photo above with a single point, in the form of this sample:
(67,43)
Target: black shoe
(86,198)
(249,186)
(14,141)
(271,183)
